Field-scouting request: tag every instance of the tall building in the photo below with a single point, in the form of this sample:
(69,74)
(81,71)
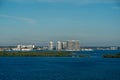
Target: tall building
(51,46)
(59,46)
(64,45)
(73,45)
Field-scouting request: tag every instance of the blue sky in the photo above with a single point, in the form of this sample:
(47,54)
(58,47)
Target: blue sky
(93,22)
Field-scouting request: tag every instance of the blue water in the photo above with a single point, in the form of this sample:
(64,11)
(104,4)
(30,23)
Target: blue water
(56,68)
(98,53)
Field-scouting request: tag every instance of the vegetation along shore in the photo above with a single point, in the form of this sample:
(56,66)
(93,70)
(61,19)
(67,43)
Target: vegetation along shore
(112,55)
(51,54)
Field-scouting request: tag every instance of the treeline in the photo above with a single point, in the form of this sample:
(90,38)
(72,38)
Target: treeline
(112,55)
(51,54)
(35,54)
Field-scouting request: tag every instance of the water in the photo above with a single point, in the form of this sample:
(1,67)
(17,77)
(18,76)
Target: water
(56,68)
(98,53)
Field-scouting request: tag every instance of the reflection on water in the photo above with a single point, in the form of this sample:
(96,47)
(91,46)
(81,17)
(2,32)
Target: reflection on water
(45,68)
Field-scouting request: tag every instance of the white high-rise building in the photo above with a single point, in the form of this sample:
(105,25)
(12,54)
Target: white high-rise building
(59,46)
(64,45)
(51,46)
(73,45)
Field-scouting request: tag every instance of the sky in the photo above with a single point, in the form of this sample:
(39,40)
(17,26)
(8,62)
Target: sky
(93,22)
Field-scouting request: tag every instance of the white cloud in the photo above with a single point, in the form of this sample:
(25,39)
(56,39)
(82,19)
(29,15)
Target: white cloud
(28,20)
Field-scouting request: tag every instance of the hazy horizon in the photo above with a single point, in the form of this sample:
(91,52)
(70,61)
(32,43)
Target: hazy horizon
(92,22)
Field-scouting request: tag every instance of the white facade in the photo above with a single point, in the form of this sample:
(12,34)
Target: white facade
(64,45)
(16,49)
(51,46)
(24,47)
(73,45)
(59,46)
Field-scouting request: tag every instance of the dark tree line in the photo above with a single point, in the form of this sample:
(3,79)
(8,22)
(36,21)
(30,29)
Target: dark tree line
(39,54)
(112,55)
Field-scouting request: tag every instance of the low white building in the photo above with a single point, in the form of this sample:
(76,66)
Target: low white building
(24,48)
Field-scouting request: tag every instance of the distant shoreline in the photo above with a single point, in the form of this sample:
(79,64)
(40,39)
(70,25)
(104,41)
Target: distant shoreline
(112,56)
(42,54)
(52,54)
(35,54)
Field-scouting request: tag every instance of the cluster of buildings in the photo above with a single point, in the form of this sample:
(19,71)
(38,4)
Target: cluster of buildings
(70,45)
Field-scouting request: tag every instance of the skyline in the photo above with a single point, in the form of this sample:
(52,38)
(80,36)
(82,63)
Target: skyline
(92,22)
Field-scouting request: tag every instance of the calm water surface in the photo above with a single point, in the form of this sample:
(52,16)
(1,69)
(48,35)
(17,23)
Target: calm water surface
(54,68)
